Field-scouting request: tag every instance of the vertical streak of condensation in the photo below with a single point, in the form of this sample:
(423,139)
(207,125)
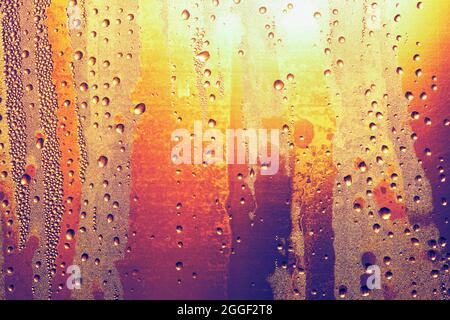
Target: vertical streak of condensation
(219,110)
(256,114)
(418,192)
(76,15)
(16,115)
(112,60)
(311,163)
(297,240)
(76,20)
(364,124)
(398,115)
(30,101)
(79,40)
(77,24)
(51,154)
(3,154)
(352,133)
(199,65)
(350,237)
(78,32)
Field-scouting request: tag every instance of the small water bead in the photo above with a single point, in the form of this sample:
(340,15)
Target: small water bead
(212,123)
(203,56)
(185,15)
(385,213)
(78,55)
(348,180)
(105,101)
(120,128)
(139,109)
(70,234)
(362,166)
(116,81)
(409,96)
(278,85)
(84,87)
(102,161)
(25,180)
(40,143)
(110,218)
(342,292)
